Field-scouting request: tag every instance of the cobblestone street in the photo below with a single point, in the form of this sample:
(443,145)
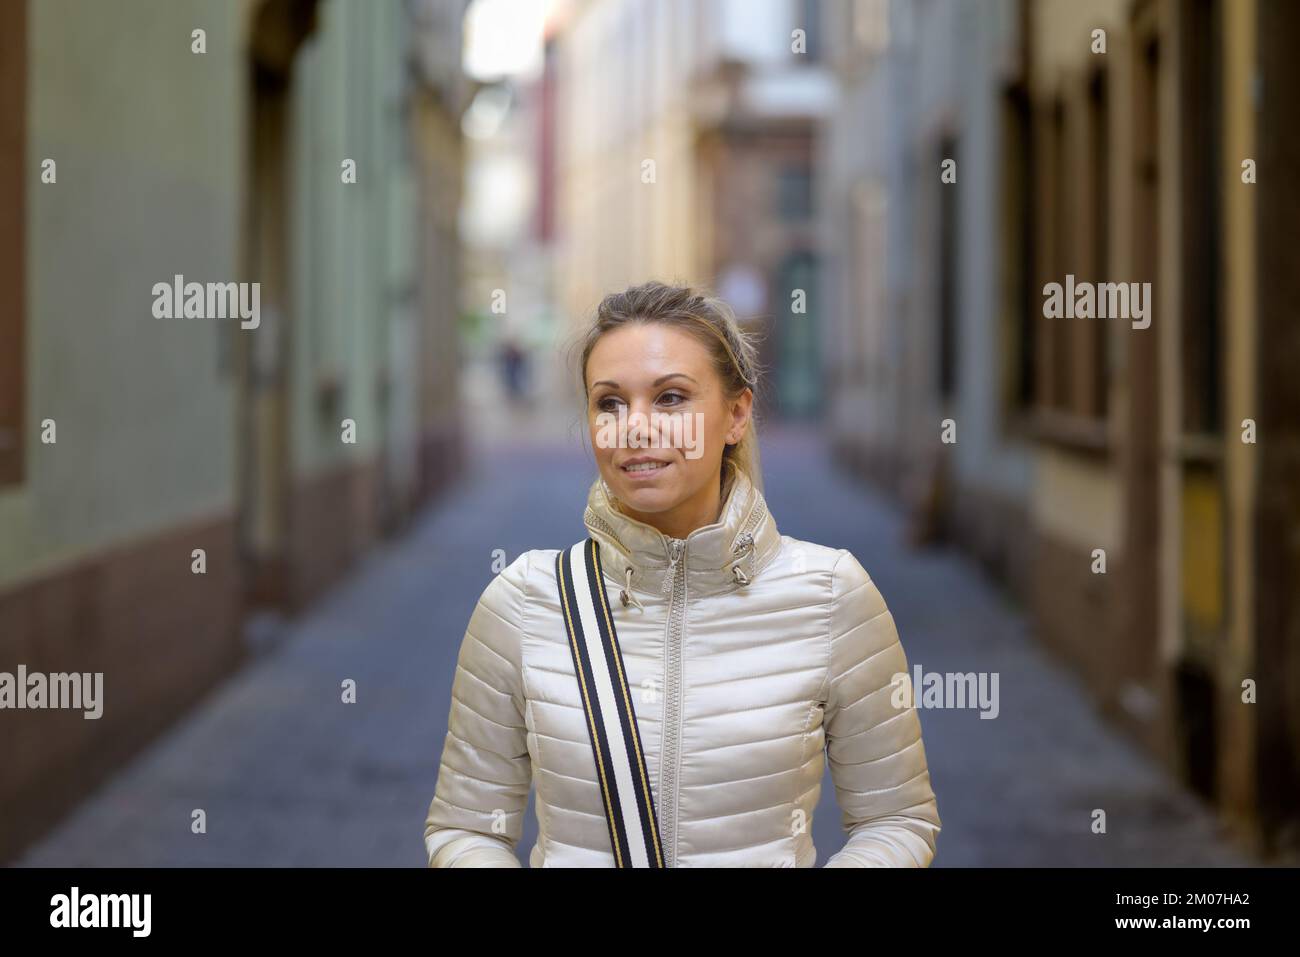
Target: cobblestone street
(289,775)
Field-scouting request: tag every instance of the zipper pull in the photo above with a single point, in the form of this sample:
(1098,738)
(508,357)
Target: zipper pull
(675,546)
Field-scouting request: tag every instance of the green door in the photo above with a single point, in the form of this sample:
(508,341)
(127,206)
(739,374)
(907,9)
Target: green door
(798,370)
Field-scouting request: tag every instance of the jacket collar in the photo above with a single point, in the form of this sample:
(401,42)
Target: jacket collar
(720,557)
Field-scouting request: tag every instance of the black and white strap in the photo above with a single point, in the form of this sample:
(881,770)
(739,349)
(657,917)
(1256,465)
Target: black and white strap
(607,701)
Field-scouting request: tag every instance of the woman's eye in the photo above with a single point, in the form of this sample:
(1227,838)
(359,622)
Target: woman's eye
(610,403)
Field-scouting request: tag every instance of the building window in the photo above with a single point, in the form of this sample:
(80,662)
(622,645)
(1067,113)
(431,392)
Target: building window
(1062,245)
(1096,384)
(13,186)
(1072,180)
(947,258)
(1202,320)
(1018,294)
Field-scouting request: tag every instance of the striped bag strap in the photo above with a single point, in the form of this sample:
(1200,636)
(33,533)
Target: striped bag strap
(611,721)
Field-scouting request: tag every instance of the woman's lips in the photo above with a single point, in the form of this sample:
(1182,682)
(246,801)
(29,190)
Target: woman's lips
(641,471)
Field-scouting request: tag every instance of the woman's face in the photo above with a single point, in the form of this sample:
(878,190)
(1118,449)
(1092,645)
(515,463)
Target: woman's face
(659,421)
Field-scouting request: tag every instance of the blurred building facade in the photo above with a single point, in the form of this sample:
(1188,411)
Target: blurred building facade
(686,143)
(508,239)
(225,156)
(1111,141)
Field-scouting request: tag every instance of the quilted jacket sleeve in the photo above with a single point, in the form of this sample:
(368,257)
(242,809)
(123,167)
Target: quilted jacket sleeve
(476,816)
(874,749)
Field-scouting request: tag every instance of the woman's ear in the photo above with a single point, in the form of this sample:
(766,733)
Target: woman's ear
(741,407)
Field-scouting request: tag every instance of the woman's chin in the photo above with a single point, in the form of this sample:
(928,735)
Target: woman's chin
(644,498)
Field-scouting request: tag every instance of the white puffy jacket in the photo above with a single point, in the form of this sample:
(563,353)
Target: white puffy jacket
(758,656)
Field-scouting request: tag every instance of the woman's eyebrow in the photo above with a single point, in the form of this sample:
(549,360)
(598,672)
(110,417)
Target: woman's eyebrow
(662,378)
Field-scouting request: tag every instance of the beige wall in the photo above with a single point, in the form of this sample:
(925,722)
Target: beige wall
(1078,502)
(615,230)
(1063,31)
(1239,218)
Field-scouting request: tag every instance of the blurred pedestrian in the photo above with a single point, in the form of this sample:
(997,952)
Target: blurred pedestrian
(514,367)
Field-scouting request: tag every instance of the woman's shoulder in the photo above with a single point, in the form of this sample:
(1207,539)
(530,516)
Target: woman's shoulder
(524,572)
(829,559)
(838,569)
(509,595)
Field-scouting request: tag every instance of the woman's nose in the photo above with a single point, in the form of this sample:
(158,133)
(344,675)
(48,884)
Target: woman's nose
(639,425)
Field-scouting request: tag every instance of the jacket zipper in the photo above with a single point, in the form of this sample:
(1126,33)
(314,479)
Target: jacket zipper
(668,768)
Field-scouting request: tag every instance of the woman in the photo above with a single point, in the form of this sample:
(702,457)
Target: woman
(674,698)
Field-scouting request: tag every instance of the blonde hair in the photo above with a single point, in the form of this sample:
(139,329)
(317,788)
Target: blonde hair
(713,323)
